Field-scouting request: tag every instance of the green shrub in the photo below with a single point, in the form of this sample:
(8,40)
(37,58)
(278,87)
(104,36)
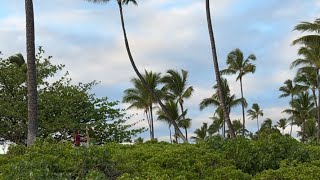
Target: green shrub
(299,171)
(57,161)
(167,161)
(255,156)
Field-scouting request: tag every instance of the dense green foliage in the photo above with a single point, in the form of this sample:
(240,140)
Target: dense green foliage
(271,157)
(63,106)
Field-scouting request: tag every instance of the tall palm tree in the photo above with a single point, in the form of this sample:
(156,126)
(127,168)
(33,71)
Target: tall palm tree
(217,72)
(255,112)
(237,64)
(303,109)
(175,84)
(31,74)
(289,89)
(126,2)
(230,100)
(282,123)
(311,51)
(140,98)
(201,134)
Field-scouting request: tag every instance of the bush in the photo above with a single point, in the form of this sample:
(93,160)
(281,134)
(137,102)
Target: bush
(255,156)
(168,161)
(56,161)
(299,171)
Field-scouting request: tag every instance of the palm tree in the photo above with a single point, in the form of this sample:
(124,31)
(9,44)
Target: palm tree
(140,98)
(307,79)
(310,130)
(255,112)
(217,124)
(173,110)
(282,123)
(201,134)
(185,123)
(217,72)
(230,100)
(311,51)
(237,64)
(32,75)
(308,27)
(126,2)
(175,84)
(289,89)
(302,109)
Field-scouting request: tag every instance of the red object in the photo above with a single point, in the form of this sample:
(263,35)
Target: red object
(76,139)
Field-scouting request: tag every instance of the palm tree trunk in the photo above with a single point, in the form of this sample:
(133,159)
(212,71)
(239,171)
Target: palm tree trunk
(258,123)
(314,97)
(151,120)
(149,123)
(181,106)
(292,117)
(243,116)
(224,128)
(217,72)
(303,131)
(142,79)
(32,75)
(170,133)
(185,129)
(318,83)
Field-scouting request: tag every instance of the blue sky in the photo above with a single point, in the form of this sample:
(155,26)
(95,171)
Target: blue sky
(166,34)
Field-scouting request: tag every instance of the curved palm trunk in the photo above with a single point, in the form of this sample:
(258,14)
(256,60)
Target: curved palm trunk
(217,72)
(142,79)
(292,118)
(318,84)
(32,75)
(243,116)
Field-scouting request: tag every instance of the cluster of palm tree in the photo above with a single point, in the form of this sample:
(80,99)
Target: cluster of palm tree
(237,64)
(32,84)
(174,92)
(304,103)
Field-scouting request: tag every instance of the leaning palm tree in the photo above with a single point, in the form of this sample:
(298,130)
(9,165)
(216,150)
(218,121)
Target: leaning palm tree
(289,89)
(237,64)
(120,3)
(255,112)
(140,98)
(217,72)
(201,134)
(31,74)
(282,123)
